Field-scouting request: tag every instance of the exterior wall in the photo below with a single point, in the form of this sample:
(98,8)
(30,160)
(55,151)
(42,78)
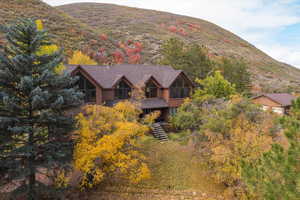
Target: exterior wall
(165,94)
(98,95)
(268,104)
(175,102)
(108,94)
(172,102)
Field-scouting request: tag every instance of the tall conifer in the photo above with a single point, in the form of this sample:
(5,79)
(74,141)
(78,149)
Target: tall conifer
(34,126)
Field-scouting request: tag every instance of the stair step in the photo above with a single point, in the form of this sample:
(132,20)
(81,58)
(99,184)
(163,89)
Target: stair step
(159,132)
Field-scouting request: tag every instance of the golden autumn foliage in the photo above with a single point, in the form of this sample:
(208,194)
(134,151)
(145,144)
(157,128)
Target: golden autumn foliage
(242,137)
(108,143)
(79,58)
(49,49)
(39,25)
(245,140)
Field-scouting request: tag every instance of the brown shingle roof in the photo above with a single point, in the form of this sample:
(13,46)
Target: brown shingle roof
(284,99)
(106,76)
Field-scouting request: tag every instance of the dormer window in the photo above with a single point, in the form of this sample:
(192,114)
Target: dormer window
(151,90)
(180,88)
(122,90)
(87,88)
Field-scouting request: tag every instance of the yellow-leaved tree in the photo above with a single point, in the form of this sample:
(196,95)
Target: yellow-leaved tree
(107,143)
(79,58)
(240,132)
(49,49)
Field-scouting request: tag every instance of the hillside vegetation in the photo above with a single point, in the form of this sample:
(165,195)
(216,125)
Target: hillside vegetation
(79,26)
(153,27)
(70,33)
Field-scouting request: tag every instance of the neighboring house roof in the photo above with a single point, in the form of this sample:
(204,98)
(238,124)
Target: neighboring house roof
(283,99)
(106,76)
(144,103)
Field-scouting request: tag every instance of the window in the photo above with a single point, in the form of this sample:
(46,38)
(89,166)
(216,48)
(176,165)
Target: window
(122,90)
(180,88)
(151,90)
(265,108)
(278,110)
(87,88)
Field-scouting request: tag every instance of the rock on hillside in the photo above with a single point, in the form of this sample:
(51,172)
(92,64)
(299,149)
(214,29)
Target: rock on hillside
(153,27)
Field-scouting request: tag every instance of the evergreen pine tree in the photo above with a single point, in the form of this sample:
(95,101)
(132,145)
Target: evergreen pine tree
(191,58)
(34,126)
(236,72)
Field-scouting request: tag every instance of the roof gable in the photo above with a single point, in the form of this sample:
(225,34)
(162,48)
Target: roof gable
(107,76)
(86,75)
(283,99)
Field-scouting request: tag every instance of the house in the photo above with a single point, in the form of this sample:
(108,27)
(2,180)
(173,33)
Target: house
(163,87)
(277,102)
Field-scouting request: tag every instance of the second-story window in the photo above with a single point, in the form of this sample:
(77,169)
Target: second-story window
(122,90)
(151,90)
(87,88)
(180,88)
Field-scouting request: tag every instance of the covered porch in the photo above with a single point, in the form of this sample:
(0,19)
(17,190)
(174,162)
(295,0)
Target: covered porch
(155,104)
(149,105)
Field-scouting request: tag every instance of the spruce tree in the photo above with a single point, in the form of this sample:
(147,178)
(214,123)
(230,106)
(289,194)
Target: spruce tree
(34,124)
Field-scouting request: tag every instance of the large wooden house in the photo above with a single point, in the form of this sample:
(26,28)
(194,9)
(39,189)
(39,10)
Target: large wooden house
(164,87)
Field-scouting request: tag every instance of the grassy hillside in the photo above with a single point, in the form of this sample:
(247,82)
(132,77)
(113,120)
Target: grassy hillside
(81,26)
(71,34)
(153,27)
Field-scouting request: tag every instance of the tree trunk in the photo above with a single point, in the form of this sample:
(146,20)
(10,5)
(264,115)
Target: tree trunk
(31,184)
(31,166)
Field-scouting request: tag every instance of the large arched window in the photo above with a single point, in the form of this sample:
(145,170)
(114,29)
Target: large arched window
(151,90)
(122,90)
(180,88)
(87,88)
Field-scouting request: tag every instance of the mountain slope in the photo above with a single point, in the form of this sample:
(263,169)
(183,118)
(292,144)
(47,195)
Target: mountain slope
(153,27)
(71,34)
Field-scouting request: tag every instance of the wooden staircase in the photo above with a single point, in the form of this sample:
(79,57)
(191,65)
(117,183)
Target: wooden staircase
(159,132)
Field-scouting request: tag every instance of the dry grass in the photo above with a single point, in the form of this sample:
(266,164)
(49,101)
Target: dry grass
(176,174)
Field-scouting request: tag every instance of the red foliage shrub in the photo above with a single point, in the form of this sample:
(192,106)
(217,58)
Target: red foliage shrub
(118,57)
(172,29)
(130,51)
(182,32)
(129,42)
(103,37)
(134,59)
(138,45)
